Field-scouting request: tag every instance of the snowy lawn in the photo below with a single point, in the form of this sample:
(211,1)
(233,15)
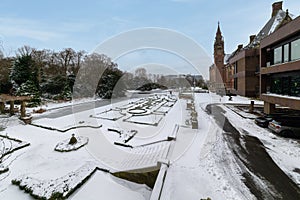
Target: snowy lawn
(58,188)
(110,114)
(151,119)
(201,165)
(64,124)
(7,146)
(103,185)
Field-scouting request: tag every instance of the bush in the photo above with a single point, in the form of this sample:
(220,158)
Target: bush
(151,86)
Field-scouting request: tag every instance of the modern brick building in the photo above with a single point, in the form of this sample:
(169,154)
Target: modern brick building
(245,60)
(280,67)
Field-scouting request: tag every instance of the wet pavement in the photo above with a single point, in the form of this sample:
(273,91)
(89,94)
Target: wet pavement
(262,176)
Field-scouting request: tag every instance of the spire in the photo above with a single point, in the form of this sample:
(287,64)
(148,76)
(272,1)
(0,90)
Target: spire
(218,30)
(219,37)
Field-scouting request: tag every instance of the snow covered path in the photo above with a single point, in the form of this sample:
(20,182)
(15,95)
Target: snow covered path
(207,168)
(227,162)
(261,174)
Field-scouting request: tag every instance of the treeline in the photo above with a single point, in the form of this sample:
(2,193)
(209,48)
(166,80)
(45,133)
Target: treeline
(52,75)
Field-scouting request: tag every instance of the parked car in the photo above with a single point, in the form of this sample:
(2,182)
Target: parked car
(264,120)
(288,126)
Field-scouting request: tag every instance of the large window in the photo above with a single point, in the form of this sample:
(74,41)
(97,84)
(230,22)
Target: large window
(277,55)
(295,50)
(286,84)
(286,53)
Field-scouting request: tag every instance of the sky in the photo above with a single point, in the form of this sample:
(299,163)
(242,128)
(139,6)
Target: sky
(84,25)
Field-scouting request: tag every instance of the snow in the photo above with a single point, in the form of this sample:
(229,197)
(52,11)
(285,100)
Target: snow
(159,182)
(152,119)
(206,168)
(65,146)
(285,152)
(200,164)
(277,20)
(104,185)
(282,96)
(63,185)
(64,124)
(110,114)
(7,146)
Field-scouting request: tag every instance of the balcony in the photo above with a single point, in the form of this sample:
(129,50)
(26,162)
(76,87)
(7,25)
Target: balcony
(283,100)
(282,67)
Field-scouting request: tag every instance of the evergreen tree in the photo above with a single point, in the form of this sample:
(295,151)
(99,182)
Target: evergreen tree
(111,84)
(24,69)
(24,77)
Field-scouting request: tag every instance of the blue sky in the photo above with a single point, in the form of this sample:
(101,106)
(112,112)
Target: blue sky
(82,25)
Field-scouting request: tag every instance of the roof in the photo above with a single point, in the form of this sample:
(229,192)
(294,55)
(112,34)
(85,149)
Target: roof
(282,33)
(226,58)
(232,55)
(273,24)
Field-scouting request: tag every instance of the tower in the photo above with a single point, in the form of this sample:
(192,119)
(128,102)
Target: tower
(219,56)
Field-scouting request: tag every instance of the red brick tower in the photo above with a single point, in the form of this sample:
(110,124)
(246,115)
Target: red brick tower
(219,56)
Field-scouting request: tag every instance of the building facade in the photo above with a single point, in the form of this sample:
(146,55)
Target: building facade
(280,67)
(217,73)
(245,64)
(246,60)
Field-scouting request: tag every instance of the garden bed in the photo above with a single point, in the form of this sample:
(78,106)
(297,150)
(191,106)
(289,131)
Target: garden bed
(59,188)
(111,114)
(7,146)
(151,119)
(65,145)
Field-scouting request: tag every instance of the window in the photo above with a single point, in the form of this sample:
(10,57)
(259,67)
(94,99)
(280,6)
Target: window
(288,84)
(295,50)
(286,53)
(276,86)
(235,68)
(295,86)
(235,83)
(278,55)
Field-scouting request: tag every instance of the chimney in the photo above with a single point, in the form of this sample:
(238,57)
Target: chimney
(240,46)
(251,37)
(276,7)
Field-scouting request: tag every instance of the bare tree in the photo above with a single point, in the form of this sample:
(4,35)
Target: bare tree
(141,72)
(66,58)
(78,59)
(25,51)
(93,67)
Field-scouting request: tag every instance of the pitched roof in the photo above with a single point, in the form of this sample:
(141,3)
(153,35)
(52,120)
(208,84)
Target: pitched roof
(273,24)
(226,58)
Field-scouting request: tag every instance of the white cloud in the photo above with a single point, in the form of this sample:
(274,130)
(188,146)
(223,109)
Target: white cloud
(26,28)
(39,30)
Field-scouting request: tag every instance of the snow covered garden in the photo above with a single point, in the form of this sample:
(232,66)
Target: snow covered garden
(80,156)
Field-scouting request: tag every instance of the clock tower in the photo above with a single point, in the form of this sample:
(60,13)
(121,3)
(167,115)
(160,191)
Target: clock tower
(219,56)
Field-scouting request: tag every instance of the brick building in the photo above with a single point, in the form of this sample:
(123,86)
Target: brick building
(245,60)
(217,74)
(280,67)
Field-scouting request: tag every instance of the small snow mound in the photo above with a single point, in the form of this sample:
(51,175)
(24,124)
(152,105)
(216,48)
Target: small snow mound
(65,145)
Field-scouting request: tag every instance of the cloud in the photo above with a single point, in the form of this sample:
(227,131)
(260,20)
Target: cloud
(26,28)
(39,30)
